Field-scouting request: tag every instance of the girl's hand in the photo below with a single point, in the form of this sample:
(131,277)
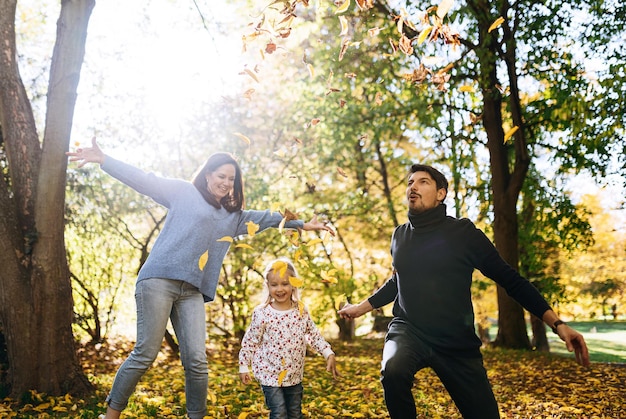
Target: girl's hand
(91,154)
(331,366)
(245,377)
(314,224)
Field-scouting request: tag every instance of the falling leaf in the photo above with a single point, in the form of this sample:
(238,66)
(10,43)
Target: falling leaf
(244,246)
(350,75)
(424,34)
(295,282)
(248,94)
(252,228)
(431,60)
(313,242)
(342,103)
(343,7)
(444,8)
(510,133)
(311,70)
(315,121)
(226,239)
(328,276)
(251,74)
(203,260)
(344,25)
(281,377)
(373,31)
(344,48)
(405,45)
(467,88)
(243,137)
(365,4)
(270,47)
(378,99)
(341,172)
(297,255)
(499,21)
(281,226)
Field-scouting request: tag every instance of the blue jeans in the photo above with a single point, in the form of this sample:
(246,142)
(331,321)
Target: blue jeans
(465,379)
(157,301)
(284,402)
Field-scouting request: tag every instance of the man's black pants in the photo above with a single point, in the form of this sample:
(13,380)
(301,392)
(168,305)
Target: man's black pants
(465,378)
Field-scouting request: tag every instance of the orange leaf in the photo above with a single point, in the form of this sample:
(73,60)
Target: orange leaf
(341,172)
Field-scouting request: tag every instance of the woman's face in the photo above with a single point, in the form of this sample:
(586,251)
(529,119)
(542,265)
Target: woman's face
(221,181)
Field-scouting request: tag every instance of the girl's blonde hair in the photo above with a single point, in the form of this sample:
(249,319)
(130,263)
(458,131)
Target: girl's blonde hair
(276,266)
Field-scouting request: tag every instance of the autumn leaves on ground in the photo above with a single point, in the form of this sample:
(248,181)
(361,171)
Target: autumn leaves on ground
(527,385)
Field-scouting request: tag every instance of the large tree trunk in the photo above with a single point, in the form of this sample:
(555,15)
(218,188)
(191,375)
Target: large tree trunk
(35,289)
(509,161)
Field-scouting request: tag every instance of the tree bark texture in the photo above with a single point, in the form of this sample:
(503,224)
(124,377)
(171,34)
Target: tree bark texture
(36,308)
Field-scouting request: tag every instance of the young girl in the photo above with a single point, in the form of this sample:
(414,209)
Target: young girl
(275,343)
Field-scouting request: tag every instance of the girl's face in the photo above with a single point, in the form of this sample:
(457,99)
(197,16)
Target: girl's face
(221,181)
(280,290)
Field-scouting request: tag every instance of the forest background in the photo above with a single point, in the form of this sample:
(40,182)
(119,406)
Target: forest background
(326,108)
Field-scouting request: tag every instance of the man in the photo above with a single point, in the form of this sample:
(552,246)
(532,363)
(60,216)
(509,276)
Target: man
(434,256)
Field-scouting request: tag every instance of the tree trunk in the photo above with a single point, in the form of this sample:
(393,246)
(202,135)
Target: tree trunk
(35,290)
(508,162)
(540,339)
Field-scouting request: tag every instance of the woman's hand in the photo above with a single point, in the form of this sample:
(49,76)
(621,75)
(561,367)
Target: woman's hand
(91,154)
(315,224)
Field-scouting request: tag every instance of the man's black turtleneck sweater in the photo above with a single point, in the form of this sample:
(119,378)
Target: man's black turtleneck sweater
(434,256)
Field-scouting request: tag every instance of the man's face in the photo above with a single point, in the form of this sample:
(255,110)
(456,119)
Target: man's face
(422,192)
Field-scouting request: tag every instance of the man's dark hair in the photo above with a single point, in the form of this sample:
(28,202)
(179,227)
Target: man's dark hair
(440,179)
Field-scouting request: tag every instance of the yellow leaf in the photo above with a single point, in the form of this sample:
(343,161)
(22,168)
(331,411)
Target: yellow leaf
(296,255)
(282,362)
(300,307)
(244,246)
(226,239)
(281,376)
(282,225)
(510,133)
(311,70)
(313,242)
(295,282)
(251,74)
(252,228)
(466,88)
(343,7)
(444,8)
(243,137)
(203,260)
(424,34)
(243,415)
(499,21)
(280,267)
(341,171)
(344,25)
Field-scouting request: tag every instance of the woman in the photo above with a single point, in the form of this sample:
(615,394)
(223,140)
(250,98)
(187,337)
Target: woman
(182,270)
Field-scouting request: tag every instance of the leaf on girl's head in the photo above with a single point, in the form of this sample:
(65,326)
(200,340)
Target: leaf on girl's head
(311,70)
(344,25)
(203,260)
(444,8)
(281,377)
(295,282)
(243,137)
(226,239)
(313,242)
(499,21)
(510,133)
(252,228)
(341,172)
(467,88)
(424,34)
(244,246)
(343,7)
(280,267)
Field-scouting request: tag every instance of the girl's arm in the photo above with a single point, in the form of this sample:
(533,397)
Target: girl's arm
(249,345)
